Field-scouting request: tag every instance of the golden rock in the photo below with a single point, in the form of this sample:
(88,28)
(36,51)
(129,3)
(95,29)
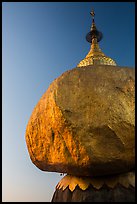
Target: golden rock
(84,123)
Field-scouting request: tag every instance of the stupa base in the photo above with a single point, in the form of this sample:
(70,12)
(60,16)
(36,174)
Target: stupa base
(120,188)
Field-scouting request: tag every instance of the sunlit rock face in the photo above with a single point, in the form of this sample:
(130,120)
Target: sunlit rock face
(84,123)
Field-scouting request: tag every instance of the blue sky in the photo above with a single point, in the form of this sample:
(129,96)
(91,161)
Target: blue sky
(40,41)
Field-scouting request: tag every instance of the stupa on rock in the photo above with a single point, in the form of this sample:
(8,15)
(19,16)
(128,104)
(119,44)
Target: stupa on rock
(84,126)
(95,55)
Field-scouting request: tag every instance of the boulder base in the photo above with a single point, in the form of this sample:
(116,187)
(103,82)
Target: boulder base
(84,123)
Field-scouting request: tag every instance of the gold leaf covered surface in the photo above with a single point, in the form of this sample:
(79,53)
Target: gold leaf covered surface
(96,57)
(84,123)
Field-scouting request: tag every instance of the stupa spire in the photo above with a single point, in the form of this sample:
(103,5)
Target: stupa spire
(92,14)
(95,55)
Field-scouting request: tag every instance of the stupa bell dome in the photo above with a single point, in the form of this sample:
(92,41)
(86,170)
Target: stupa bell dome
(95,55)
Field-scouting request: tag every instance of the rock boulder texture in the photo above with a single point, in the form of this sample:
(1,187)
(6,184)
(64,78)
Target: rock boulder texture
(84,123)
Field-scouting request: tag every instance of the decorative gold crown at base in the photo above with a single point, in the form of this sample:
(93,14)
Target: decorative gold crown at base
(71,182)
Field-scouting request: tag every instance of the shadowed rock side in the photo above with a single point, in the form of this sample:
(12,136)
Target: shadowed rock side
(105,194)
(84,123)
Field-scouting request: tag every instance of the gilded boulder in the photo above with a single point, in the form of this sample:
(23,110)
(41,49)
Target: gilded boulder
(84,124)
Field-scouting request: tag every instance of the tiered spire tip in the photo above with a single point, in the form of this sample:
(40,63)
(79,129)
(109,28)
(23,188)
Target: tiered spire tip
(95,55)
